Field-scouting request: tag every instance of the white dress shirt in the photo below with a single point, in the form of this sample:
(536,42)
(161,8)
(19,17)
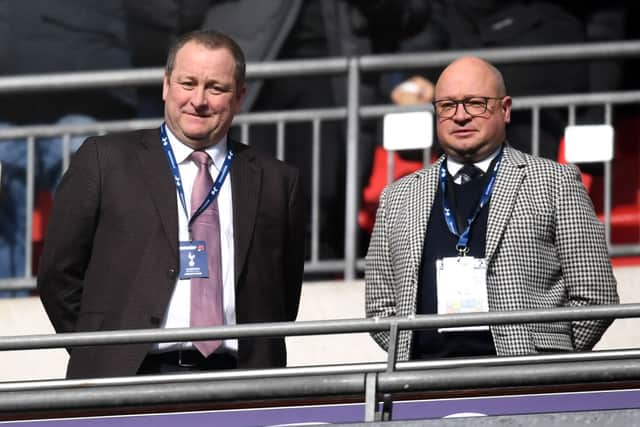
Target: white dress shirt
(453,166)
(178,313)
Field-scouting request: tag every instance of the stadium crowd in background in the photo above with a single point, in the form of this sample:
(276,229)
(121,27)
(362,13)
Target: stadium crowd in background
(82,35)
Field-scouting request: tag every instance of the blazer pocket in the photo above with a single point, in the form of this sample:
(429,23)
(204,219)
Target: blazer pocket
(90,322)
(551,341)
(531,227)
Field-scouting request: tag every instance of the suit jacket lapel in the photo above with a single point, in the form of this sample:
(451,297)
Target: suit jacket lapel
(245,191)
(154,167)
(508,181)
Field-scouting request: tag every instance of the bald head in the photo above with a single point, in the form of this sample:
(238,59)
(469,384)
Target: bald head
(472,109)
(469,72)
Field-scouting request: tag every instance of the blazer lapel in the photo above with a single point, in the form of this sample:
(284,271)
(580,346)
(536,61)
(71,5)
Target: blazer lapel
(245,189)
(508,181)
(155,168)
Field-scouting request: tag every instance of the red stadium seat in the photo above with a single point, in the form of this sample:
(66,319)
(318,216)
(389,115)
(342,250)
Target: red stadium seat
(625,203)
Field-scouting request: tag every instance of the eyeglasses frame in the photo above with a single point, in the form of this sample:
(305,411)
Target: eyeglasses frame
(463,101)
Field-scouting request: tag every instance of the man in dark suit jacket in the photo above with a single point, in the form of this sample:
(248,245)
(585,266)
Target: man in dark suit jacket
(111,254)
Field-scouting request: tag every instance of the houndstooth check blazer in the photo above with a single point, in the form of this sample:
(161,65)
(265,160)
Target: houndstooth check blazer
(544,245)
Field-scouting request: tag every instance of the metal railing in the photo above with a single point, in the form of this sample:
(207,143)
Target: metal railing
(368,380)
(352,113)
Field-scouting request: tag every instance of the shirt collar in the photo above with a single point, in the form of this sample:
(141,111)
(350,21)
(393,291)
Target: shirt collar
(181,151)
(454,166)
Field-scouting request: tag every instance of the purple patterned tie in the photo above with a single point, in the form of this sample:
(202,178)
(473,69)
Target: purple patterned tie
(206,293)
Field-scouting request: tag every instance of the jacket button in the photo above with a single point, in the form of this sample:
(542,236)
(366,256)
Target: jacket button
(172,273)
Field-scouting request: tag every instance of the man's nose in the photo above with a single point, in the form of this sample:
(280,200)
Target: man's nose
(461,113)
(198,97)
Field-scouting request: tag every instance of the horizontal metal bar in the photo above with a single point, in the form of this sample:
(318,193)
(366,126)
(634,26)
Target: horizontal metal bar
(295,68)
(154,75)
(42,131)
(80,80)
(564,52)
(272,69)
(324,370)
(317,327)
(84,397)
(624,250)
(17,283)
(235,374)
(194,390)
(508,376)
(583,99)
(339,113)
(375,111)
(290,116)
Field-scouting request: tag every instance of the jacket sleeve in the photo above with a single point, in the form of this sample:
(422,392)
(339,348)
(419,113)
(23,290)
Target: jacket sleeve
(68,242)
(586,267)
(380,298)
(295,250)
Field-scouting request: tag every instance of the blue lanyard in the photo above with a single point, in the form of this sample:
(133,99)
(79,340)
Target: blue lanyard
(175,171)
(463,239)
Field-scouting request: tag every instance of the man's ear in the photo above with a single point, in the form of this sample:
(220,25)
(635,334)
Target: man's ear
(165,86)
(506,108)
(240,94)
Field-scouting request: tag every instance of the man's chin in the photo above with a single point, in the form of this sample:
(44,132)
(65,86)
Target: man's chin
(474,153)
(464,154)
(198,139)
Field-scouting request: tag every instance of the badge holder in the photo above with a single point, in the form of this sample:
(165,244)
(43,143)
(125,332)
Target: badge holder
(462,288)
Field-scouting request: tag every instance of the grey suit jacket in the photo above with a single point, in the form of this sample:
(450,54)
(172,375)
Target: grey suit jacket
(544,245)
(110,257)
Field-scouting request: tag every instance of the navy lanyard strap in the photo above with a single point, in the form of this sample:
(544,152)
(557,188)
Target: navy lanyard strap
(175,171)
(449,217)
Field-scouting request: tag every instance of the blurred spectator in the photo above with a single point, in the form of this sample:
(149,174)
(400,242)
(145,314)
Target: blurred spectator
(604,22)
(41,36)
(296,29)
(474,24)
(151,27)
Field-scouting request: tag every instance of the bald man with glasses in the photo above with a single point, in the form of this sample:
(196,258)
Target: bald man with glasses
(486,228)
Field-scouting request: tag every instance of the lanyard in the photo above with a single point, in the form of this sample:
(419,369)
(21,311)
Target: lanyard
(175,171)
(463,238)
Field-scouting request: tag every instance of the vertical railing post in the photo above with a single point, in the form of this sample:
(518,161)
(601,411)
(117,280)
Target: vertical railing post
(66,152)
(426,157)
(392,350)
(571,115)
(371,400)
(315,191)
(29,203)
(244,134)
(351,202)
(535,131)
(607,182)
(280,140)
(390,165)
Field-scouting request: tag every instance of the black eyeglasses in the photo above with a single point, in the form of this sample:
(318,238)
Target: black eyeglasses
(473,105)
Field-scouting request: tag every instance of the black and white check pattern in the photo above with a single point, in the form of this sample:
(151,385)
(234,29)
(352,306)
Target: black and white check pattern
(545,248)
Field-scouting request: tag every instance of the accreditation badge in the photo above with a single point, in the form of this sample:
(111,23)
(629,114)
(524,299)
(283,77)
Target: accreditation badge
(462,288)
(193,260)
